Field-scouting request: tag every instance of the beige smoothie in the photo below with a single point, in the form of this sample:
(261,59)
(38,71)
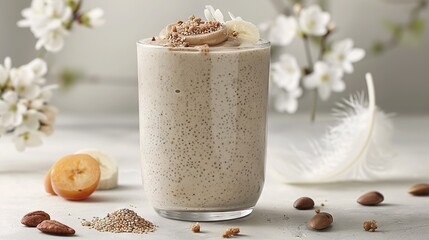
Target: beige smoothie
(203,124)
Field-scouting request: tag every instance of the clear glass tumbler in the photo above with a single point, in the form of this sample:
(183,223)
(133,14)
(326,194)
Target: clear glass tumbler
(203,128)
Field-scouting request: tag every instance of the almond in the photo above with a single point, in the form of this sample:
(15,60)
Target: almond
(371,199)
(32,219)
(421,189)
(321,221)
(55,228)
(303,203)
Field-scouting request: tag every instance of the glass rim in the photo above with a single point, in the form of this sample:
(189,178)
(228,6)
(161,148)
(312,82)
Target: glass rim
(261,43)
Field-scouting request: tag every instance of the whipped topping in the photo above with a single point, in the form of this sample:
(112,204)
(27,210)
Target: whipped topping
(194,32)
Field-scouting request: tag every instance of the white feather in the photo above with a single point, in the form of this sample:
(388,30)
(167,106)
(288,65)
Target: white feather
(357,148)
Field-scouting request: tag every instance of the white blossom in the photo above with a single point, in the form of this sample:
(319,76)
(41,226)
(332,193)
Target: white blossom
(47,20)
(11,110)
(44,97)
(45,15)
(24,109)
(32,119)
(52,41)
(343,55)
(281,31)
(286,72)
(22,80)
(39,69)
(326,79)
(313,21)
(213,15)
(4,71)
(36,17)
(287,101)
(93,18)
(26,138)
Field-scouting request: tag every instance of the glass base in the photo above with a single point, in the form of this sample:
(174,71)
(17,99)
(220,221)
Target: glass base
(204,216)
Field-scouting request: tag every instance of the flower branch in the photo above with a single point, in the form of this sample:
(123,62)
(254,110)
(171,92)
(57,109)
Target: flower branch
(322,77)
(51,21)
(25,111)
(414,26)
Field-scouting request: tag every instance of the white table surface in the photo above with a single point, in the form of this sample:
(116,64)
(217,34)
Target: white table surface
(401,216)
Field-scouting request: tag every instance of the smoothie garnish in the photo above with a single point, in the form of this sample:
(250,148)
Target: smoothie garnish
(214,31)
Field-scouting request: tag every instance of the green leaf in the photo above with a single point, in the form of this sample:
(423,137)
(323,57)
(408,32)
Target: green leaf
(73,4)
(417,26)
(85,21)
(395,29)
(69,77)
(377,47)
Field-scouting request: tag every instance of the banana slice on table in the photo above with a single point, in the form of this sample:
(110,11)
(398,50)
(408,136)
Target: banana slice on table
(108,167)
(242,30)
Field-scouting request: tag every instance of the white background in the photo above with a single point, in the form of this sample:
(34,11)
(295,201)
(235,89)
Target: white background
(108,55)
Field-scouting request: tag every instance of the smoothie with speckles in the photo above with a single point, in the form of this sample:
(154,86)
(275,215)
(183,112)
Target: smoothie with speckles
(202,121)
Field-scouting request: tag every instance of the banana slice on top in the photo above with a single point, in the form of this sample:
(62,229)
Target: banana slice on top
(242,30)
(108,167)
